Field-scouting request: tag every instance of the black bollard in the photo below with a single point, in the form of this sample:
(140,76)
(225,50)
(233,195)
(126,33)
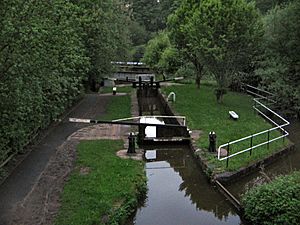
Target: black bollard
(151,81)
(140,82)
(212,141)
(131,143)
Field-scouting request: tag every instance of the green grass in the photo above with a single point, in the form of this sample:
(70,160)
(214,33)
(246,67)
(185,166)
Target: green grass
(123,89)
(118,107)
(110,188)
(204,113)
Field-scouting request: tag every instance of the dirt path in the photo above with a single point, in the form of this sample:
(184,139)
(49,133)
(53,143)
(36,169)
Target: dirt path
(30,194)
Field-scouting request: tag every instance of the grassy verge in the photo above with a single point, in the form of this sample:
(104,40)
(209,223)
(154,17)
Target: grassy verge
(102,187)
(118,107)
(275,203)
(205,114)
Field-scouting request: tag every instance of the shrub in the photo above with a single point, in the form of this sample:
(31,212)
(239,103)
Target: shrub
(275,203)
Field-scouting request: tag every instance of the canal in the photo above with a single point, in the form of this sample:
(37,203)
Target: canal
(178,191)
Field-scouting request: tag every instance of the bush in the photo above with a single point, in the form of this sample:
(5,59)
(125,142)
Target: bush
(275,203)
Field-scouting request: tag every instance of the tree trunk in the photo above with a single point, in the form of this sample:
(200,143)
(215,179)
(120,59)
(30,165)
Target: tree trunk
(199,69)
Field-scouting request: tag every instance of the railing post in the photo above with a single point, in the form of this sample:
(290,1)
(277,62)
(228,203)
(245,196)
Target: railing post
(227,160)
(251,144)
(268,139)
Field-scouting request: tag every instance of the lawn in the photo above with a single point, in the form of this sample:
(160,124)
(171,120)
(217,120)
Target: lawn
(118,107)
(102,186)
(205,114)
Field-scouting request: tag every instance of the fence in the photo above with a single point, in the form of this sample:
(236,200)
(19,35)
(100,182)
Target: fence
(260,95)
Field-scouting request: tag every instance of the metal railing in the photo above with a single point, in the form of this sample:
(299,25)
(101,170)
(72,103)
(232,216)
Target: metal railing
(260,95)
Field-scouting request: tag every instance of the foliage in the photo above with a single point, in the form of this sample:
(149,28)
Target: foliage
(155,49)
(275,203)
(110,189)
(187,70)
(205,114)
(178,26)
(265,5)
(279,67)
(106,36)
(224,35)
(170,60)
(152,13)
(47,50)
(42,63)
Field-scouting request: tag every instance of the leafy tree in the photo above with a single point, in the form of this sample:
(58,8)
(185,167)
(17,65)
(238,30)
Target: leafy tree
(46,51)
(280,64)
(152,13)
(106,37)
(155,49)
(178,28)
(220,35)
(170,60)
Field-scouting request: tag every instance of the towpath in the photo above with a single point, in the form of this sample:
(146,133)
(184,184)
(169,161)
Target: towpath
(25,176)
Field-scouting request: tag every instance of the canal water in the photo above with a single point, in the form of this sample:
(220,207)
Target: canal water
(178,191)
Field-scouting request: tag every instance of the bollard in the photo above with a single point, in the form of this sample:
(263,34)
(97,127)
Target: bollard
(140,82)
(131,143)
(151,81)
(212,141)
(114,90)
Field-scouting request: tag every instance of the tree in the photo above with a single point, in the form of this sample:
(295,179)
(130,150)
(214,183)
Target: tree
(218,34)
(152,14)
(155,49)
(178,28)
(279,67)
(106,38)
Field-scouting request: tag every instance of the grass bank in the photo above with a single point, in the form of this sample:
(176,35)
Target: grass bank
(102,187)
(119,106)
(205,114)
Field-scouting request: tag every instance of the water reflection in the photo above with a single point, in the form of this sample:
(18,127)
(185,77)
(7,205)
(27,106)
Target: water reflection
(179,193)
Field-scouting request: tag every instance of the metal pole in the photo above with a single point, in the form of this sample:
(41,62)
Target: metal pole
(227,160)
(251,145)
(268,139)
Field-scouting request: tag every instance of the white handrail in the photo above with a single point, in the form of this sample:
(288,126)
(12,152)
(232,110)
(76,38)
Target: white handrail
(277,126)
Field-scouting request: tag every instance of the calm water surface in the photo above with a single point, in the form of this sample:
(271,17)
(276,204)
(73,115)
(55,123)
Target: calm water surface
(179,193)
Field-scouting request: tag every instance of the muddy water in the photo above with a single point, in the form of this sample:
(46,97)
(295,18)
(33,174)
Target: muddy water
(179,193)
(282,166)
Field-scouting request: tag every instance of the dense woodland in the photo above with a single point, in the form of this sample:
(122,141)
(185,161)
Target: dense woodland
(51,51)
